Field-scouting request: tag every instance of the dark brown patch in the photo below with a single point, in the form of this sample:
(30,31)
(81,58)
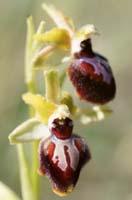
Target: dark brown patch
(62,128)
(90,86)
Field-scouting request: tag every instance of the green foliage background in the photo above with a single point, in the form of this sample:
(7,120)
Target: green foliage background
(109,175)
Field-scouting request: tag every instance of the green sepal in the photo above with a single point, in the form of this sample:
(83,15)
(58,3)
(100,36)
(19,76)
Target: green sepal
(95,114)
(6,193)
(59,18)
(28,131)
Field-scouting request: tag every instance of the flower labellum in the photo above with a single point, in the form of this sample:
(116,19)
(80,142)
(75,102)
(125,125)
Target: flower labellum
(91,75)
(62,155)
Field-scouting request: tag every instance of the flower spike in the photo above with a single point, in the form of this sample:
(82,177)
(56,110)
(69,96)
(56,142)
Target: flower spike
(62,154)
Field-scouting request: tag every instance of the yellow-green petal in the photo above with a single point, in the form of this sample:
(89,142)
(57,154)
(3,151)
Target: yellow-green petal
(44,109)
(59,37)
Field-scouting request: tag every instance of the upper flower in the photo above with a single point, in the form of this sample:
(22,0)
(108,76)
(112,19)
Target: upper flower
(91,75)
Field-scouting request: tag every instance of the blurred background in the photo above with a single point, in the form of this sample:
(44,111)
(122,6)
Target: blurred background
(108,176)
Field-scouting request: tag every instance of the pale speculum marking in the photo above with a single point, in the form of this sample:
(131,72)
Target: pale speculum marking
(100,66)
(60,156)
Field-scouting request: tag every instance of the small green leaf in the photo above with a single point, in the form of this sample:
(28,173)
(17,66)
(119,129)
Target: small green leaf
(59,37)
(29,131)
(6,193)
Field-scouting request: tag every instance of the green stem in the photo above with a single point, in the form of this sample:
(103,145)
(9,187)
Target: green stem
(34,175)
(26,186)
(31,88)
(30,81)
(52,85)
(29,182)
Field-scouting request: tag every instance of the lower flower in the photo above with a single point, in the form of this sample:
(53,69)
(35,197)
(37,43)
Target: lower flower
(62,159)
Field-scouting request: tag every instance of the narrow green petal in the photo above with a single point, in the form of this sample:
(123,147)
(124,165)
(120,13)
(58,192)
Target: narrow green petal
(29,75)
(30,32)
(29,131)
(6,193)
(40,30)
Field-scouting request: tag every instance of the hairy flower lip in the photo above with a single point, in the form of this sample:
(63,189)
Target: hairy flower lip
(91,75)
(62,160)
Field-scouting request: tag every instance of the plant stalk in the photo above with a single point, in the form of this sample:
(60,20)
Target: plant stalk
(26,186)
(28,174)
